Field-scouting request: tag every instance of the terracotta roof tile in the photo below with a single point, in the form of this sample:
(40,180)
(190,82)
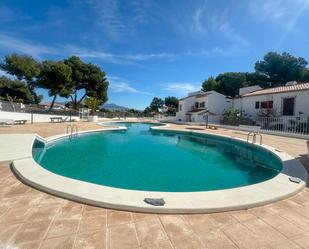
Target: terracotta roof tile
(280,89)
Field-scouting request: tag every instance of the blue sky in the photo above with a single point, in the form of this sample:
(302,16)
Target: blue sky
(155,48)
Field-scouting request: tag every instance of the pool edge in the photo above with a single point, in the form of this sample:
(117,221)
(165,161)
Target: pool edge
(275,189)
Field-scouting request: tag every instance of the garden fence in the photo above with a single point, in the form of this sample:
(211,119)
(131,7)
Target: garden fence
(295,125)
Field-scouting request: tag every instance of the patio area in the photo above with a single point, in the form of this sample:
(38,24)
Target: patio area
(33,219)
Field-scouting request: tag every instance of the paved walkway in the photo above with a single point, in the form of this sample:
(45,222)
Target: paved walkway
(32,219)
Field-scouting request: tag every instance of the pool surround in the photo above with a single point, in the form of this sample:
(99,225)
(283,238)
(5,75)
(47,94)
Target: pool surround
(277,188)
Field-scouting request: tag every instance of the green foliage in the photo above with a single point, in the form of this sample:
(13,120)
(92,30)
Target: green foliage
(88,78)
(231,116)
(171,104)
(147,110)
(25,68)
(231,82)
(56,77)
(211,84)
(93,104)
(14,89)
(171,101)
(226,83)
(281,68)
(274,70)
(156,104)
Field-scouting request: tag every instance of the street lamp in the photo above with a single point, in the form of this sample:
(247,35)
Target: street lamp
(206,117)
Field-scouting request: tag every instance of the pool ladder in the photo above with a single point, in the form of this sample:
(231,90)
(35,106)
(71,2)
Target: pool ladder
(254,134)
(72,130)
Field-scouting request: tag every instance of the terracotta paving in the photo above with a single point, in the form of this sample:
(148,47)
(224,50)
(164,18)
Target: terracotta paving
(31,219)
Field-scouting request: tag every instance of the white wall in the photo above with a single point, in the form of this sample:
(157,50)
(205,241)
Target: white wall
(215,102)
(301,103)
(218,103)
(27,116)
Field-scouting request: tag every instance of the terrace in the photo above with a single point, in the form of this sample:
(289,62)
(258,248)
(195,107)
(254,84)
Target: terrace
(32,219)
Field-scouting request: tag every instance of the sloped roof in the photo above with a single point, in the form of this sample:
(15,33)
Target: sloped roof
(280,89)
(197,95)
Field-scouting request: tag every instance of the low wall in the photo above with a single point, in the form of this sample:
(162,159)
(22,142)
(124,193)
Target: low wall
(27,116)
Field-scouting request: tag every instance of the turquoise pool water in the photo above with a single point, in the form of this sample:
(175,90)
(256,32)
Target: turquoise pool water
(141,159)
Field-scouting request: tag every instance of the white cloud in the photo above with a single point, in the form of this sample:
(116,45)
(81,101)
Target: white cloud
(2,73)
(285,13)
(116,58)
(120,85)
(117,24)
(11,44)
(217,23)
(181,88)
(197,20)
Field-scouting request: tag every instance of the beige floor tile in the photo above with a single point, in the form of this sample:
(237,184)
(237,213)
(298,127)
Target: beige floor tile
(58,243)
(180,232)
(118,217)
(288,229)
(92,224)
(243,215)
(296,218)
(16,215)
(29,232)
(50,199)
(43,213)
(17,189)
(268,234)
(158,245)
(244,238)
(63,227)
(70,209)
(122,237)
(29,245)
(217,239)
(8,201)
(89,208)
(303,241)
(95,213)
(262,211)
(28,200)
(93,240)
(7,231)
(223,219)
(150,231)
(201,223)
(142,216)
(208,231)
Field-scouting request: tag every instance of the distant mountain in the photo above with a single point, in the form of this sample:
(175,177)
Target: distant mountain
(114,107)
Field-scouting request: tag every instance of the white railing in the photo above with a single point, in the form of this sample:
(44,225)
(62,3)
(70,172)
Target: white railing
(295,125)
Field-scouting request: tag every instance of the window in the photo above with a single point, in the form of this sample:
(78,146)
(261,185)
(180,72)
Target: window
(202,104)
(196,105)
(257,105)
(180,107)
(288,106)
(267,104)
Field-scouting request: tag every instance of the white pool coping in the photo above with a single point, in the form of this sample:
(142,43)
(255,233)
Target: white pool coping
(277,188)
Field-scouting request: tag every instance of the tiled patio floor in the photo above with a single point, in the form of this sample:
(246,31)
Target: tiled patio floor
(32,219)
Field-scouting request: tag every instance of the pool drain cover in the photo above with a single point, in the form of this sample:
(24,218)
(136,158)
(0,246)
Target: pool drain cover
(155,201)
(295,179)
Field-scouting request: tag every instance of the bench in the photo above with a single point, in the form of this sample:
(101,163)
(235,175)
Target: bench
(6,121)
(20,121)
(212,127)
(57,120)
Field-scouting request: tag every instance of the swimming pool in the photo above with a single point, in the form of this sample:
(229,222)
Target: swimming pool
(167,161)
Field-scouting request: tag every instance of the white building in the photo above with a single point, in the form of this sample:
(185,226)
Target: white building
(291,100)
(199,106)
